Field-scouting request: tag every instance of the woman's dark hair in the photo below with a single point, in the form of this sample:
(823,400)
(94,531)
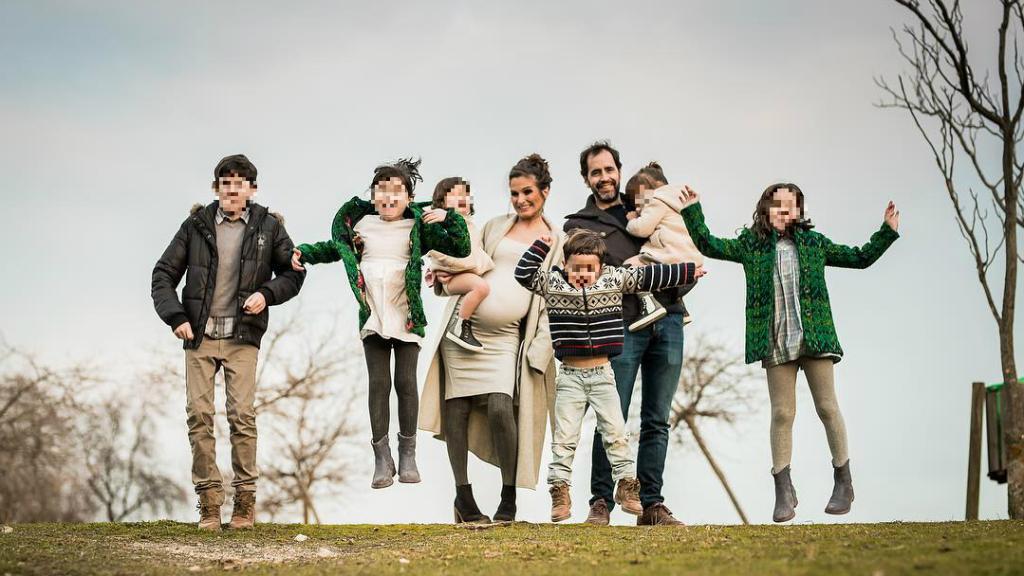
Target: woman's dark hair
(595,149)
(533,165)
(584,242)
(405,169)
(235,165)
(762,224)
(444,187)
(650,177)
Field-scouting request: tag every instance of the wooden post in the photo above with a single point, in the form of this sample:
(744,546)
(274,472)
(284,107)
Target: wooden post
(974,450)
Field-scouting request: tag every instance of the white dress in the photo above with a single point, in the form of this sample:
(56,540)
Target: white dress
(386,253)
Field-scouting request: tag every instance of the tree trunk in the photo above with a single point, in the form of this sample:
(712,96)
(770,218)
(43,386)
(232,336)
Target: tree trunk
(1013,430)
(714,466)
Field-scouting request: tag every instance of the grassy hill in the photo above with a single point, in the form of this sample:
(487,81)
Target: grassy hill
(565,550)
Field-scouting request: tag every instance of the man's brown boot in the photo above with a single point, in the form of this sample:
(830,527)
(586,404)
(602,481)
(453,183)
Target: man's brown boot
(627,495)
(243,513)
(657,514)
(599,515)
(561,503)
(209,510)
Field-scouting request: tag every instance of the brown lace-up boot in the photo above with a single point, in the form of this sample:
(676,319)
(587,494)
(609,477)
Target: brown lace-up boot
(243,513)
(561,503)
(209,510)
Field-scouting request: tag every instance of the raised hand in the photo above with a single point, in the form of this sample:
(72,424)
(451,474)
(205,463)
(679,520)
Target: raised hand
(296,260)
(688,197)
(545,238)
(892,216)
(699,272)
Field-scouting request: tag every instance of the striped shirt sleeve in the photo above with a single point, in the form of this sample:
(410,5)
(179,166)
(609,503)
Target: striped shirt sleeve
(528,271)
(658,277)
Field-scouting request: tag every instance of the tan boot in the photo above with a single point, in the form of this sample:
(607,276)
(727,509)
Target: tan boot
(243,513)
(561,503)
(209,510)
(627,495)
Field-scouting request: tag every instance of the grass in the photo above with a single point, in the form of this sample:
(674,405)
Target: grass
(565,550)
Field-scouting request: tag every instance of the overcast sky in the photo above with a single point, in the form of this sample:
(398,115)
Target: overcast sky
(114,114)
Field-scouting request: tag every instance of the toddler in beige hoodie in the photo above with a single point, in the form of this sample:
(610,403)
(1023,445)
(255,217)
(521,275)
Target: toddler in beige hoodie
(657,219)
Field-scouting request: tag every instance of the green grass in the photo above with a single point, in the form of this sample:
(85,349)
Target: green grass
(565,550)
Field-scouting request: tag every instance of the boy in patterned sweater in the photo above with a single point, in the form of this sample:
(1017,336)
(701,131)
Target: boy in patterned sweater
(584,304)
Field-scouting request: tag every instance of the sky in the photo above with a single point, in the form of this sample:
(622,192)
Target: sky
(115,113)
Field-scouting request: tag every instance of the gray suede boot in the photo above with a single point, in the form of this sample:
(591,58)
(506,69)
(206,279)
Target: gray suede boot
(785,497)
(842,493)
(407,471)
(383,464)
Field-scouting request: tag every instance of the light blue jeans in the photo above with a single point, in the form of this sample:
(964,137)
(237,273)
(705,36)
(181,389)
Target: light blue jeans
(575,389)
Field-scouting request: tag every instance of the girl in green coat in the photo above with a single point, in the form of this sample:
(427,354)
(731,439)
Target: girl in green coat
(789,319)
(382,243)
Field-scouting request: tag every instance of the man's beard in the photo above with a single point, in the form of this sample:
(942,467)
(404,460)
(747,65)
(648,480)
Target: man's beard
(606,196)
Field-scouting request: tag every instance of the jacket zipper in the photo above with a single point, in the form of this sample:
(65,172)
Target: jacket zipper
(586,314)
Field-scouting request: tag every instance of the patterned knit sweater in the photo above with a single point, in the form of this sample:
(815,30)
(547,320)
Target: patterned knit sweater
(588,321)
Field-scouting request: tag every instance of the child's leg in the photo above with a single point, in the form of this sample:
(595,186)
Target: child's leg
(201,367)
(604,398)
(782,394)
(377,352)
(473,290)
(820,377)
(502,420)
(406,355)
(240,390)
(456,436)
(570,406)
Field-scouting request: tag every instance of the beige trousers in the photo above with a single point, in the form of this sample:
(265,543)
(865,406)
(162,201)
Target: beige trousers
(782,393)
(201,365)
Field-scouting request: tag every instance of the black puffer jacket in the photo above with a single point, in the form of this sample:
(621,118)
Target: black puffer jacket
(265,267)
(620,246)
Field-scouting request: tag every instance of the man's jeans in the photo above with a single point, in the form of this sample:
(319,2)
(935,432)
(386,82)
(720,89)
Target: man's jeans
(657,353)
(575,389)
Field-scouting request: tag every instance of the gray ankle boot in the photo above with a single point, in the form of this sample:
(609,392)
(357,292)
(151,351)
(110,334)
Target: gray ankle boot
(383,464)
(407,471)
(785,496)
(842,493)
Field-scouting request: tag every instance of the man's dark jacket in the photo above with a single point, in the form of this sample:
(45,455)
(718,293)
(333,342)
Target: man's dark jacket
(620,245)
(265,267)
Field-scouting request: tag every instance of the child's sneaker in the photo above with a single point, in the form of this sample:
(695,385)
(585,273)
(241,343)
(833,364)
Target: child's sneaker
(461,332)
(650,312)
(627,495)
(561,503)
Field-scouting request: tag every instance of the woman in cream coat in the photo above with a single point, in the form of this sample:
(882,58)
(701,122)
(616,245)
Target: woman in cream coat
(495,403)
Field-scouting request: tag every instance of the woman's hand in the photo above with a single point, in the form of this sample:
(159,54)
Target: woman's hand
(296,260)
(443,277)
(429,278)
(434,215)
(688,197)
(892,216)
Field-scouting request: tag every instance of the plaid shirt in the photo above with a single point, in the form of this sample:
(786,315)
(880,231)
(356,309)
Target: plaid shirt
(787,329)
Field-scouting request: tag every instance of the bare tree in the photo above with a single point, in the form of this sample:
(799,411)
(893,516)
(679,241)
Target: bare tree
(714,386)
(39,456)
(971,117)
(123,476)
(306,397)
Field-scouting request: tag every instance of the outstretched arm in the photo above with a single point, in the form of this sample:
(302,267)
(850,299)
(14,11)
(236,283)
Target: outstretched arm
(708,244)
(660,276)
(863,256)
(528,270)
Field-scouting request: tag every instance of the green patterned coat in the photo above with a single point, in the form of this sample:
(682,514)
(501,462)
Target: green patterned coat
(449,237)
(757,256)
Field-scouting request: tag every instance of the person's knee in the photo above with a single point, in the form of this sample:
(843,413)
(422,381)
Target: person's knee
(482,288)
(829,412)
(783,415)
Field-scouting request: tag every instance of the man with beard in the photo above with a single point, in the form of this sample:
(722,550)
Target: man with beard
(656,352)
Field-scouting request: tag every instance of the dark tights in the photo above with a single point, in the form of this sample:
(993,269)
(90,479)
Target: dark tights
(502,422)
(378,367)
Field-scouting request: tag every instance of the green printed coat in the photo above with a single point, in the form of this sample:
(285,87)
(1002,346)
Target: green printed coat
(757,256)
(449,237)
